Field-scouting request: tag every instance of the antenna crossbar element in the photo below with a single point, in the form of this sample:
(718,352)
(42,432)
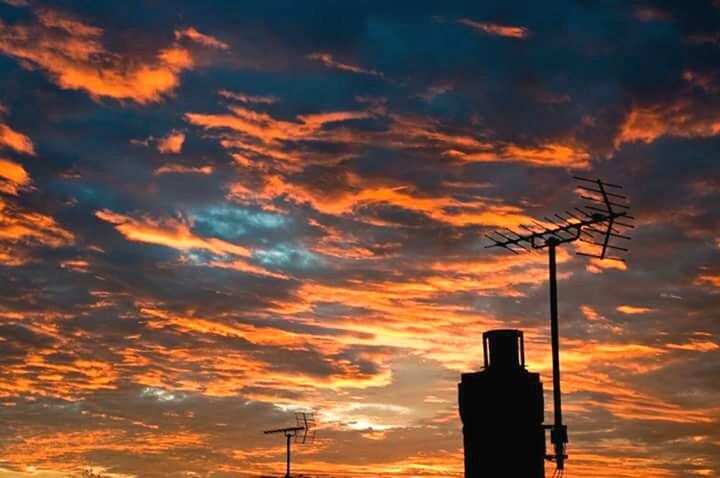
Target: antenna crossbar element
(284,430)
(604,217)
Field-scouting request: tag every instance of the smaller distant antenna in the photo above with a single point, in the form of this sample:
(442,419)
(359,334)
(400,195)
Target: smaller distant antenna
(303,432)
(89,473)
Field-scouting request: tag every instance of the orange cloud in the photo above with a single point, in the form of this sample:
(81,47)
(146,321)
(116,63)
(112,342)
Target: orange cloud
(78,265)
(255,133)
(175,233)
(223,372)
(596,266)
(357,194)
(268,336)
(252,134)
(590,313)
(695,346)
(681,117)
(191,33)
(172,143)
(12,139)
(632,310)
(13,177)
(554,155)
(432,464)
(617,460)
(181,169)
(709,279)
(263,127)
(607,369)
(597,321)
(411,314)
(496,29)
(74,57)
(245,266)
(550,154)
(328,60)
(20,228)
(39,375)
(416,132)
(67,450)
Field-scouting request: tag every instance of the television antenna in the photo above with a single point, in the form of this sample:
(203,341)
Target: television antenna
(302,432)
(605,219)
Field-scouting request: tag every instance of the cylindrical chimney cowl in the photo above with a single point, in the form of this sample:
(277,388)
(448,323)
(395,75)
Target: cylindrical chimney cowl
(504,349)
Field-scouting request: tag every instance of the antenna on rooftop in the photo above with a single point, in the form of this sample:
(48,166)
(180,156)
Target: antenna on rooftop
(302,432)
(600,223)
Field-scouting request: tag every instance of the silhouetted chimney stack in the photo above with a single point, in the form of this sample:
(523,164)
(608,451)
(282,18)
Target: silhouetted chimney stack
(502,412)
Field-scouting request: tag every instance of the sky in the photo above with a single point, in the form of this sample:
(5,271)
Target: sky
(215,214)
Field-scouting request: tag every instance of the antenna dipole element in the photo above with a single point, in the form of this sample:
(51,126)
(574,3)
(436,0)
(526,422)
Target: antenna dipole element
(598,223)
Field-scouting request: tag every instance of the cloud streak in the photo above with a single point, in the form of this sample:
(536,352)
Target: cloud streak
(72,54)
(507,31)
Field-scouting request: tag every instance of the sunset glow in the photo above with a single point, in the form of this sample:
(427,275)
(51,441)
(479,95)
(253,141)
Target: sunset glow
(216,214)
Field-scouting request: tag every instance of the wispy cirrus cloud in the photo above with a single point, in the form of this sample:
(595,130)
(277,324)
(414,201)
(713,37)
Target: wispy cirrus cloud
(263,127)
(183,169)
(508,31)
(193,34)
(246,98)
(170,232)
(251,127)
(178,233)
(549,155)
(22,230)
(329,61)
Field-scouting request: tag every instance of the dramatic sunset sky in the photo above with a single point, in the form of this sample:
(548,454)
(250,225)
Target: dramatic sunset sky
(215,213)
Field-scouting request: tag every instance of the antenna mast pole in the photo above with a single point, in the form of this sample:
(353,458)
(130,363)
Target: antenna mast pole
(603,219)
(558,427)
(288,436)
